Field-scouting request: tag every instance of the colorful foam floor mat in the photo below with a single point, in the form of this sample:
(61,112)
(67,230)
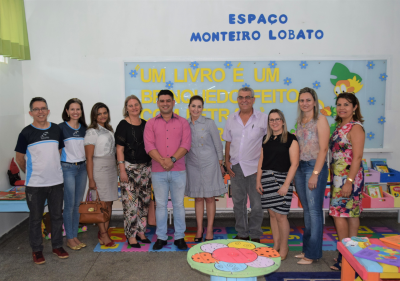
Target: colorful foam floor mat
(295,238)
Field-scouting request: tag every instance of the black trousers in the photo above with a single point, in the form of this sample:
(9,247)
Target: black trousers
(36,198)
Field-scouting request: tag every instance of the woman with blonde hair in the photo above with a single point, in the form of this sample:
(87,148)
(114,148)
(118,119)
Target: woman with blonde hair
(311,177)
(100,157)
(276,169)
(134,166)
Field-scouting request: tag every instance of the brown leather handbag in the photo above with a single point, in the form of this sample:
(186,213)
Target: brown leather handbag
(93,211)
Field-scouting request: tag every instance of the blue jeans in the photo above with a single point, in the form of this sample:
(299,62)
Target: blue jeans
(312,201)
(174,182)
(75,178)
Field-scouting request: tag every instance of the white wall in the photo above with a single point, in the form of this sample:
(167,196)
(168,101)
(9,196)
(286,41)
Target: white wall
(11,123)
(78,47)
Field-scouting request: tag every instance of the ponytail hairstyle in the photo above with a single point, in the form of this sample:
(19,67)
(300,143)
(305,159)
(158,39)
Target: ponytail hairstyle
(351,98)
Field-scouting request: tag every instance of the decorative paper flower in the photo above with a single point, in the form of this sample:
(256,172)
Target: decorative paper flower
(370,64)
(169,85)
(133,73)
(316,84)
(371,101)
(288,81)
(194,65)
(303,65)
(383,77)
(272,64)
(228,64)
(245,85)
(381,120)
(370,135)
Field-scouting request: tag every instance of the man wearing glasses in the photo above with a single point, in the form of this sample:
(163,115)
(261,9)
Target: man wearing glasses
(243,133)
(38,156)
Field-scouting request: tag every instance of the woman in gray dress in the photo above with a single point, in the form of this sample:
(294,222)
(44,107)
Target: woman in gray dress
(101,166)
(204,167)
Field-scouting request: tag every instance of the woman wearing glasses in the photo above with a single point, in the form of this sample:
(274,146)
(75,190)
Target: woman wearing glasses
(276,169)
(73,164)
(311,177)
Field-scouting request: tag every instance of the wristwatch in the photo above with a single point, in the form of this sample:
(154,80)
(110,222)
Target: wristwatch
(315,172)
(173,159)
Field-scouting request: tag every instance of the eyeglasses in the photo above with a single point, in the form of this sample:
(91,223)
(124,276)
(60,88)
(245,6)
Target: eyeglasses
(275,120)
(40,109)
(246,98)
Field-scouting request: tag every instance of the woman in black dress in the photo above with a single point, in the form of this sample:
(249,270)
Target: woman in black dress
(276,169)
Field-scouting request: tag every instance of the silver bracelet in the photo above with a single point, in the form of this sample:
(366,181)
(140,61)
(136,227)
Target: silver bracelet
(121,162)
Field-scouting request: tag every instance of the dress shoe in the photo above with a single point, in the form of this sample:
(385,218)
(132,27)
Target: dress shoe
(241,238)
(257,240)
(159,244)
(181,244)
(146,240)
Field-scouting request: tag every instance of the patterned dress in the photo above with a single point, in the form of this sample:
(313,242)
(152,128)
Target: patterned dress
(342,155)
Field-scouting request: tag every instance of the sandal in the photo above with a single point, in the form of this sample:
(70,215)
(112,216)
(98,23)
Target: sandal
(199,239)
(338,265)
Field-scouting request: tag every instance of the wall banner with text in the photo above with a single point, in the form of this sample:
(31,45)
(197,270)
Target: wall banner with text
(276,85)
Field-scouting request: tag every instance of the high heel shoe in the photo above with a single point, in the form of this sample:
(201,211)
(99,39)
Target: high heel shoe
(285,256)
(304,261)
(110,244)
(146,240)
(137,245)
(199,239)
(300,256)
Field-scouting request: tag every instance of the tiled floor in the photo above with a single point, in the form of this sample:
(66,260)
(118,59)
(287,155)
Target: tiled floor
(16,262)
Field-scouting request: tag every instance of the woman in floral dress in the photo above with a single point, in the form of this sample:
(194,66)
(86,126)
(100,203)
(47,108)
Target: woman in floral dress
(347,145)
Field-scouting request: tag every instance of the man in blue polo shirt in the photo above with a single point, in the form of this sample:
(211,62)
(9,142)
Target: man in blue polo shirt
(38,155)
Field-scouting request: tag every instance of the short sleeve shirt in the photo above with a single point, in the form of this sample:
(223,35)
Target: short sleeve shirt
(276,153)
(74,150)
(41,149)
(103,141)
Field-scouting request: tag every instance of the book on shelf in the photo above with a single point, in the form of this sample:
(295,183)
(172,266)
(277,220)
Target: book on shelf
(375,191)
(380,165)
(365,166)
(394,189)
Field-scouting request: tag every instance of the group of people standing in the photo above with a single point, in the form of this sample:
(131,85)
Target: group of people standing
(185,157)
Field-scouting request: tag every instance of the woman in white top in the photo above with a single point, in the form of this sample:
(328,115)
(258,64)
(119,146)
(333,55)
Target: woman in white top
(73,164)
(101,165)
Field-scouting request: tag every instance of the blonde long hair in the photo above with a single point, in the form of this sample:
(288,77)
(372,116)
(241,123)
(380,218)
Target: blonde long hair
(284,129)
(300,113)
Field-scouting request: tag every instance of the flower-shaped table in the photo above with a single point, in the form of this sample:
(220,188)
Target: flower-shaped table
(229,259)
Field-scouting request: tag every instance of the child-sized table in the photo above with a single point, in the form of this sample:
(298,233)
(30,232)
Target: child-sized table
(233,260)
(367,269)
